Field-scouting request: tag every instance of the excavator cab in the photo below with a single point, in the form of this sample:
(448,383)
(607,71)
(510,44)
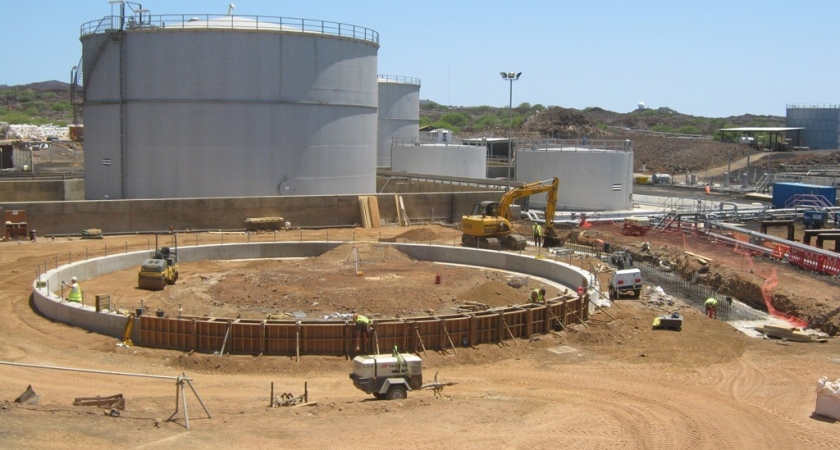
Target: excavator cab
(486,208)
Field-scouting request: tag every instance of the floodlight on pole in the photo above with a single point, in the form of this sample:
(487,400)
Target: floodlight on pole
(510,77)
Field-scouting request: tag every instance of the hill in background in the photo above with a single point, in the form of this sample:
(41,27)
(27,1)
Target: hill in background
(693,151)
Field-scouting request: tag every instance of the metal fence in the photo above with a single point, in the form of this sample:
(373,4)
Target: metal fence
(238,22)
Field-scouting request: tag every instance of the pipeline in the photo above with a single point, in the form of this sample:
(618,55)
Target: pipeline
(778,240)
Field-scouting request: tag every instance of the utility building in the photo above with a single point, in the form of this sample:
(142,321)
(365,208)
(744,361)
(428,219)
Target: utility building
(821,125)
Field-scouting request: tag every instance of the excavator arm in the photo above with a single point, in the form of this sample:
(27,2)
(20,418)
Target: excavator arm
(548,186)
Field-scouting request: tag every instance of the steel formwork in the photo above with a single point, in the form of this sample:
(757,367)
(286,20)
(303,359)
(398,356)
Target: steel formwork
(415,334)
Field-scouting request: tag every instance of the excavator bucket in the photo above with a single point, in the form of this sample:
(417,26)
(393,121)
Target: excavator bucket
(554,239)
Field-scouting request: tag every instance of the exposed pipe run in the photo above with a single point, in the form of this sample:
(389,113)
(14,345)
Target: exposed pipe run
(104,372)
(775,239)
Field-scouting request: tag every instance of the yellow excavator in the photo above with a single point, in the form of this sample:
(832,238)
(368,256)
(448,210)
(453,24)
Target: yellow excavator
(488,225)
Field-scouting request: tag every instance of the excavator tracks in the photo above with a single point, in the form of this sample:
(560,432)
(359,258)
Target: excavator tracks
(509,242)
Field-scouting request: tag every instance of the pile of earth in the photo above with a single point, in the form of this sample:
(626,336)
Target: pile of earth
(560,123)
(677,156)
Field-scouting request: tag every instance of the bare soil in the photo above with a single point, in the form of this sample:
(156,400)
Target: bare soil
(613,383)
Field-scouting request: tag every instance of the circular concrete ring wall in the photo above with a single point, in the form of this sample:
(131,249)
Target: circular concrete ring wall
(467,329)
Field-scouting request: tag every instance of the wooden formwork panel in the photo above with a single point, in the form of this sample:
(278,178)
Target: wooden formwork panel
(390,334)
(516,321)
(167,333)
(557,312)
(458,329)
(429,331)
(578,310)
(485,328)
(280,338)
(210,334)
(569,311)
(323,339)
(539,320)
(247,337)
(334,338)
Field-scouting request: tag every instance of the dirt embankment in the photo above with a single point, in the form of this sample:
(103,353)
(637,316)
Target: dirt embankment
(754,280)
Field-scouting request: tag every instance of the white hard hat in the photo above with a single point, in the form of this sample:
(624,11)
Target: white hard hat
(73,279)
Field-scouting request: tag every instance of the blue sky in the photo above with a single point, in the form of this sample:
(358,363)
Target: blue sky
(710,58)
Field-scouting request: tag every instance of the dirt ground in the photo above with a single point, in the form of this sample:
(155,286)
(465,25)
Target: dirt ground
(613,383)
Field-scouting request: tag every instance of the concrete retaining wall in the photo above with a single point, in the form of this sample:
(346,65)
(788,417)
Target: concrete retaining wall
(41,190)
(131,216)
(47,299)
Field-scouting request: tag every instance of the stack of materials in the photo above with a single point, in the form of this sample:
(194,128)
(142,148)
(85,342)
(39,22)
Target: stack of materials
(264,223)
(788,333)
(369,208)
(671,321)
(92,233)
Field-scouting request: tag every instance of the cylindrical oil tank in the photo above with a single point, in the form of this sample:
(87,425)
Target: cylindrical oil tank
(183,106)
(451,160)
(595,177)
(399,113)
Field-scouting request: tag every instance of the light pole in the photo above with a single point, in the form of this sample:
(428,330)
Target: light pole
(511,77)
(74,75)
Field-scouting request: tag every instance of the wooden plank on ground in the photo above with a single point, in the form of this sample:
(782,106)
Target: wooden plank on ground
(363,211)
(788,333)
(373,205)
(701,258)
(404,214)
(399,214)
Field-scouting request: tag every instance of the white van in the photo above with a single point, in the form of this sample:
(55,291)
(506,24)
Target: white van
(628,281)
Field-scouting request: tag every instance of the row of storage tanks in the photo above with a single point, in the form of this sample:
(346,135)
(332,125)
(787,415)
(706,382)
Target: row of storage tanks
(181,106)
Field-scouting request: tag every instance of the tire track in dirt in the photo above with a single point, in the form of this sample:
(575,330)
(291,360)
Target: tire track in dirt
(754,392)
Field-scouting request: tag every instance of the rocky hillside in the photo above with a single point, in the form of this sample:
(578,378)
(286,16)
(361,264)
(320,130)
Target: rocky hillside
(664,140)
(653,131)
(560,122)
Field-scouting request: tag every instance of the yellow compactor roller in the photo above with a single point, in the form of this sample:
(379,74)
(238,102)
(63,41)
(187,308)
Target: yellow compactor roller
(159,270)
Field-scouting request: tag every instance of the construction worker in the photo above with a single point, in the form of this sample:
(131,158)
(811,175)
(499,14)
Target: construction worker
(711,307)
(584,286)
(75,290)
(537,230)
(362,328)
(535,296)
(542,295)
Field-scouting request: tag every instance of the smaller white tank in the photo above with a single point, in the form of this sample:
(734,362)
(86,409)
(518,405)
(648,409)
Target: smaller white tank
(642,105)
(451,160)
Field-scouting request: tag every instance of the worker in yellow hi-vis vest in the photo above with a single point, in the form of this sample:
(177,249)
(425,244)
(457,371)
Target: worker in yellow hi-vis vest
(711,307)
(362,329)
(75,290)
(537,230)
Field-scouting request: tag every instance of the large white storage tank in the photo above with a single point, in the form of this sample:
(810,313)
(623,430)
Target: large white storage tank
(596,176)
(451,160)
(218,106)
(399,113)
